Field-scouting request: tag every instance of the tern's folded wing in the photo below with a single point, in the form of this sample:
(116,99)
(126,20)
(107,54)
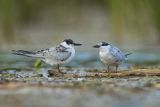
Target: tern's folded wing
(58,53)
(117,53)
(62,56)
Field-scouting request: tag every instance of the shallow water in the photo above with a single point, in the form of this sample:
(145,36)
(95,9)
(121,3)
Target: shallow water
(83,59)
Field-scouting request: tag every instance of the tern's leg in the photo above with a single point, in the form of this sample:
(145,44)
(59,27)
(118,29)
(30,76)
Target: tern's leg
(108,68)
(116,67)
(58,67)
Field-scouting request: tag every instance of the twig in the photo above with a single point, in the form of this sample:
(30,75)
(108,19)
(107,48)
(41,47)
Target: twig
(133,73)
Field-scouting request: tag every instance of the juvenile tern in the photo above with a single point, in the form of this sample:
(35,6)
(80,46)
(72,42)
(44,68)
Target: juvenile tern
(60,54)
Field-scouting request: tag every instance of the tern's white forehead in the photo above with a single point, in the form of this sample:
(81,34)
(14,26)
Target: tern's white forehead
(64,43)
(100,44)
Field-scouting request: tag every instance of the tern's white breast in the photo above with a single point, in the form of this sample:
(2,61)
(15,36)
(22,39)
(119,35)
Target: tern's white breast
(107,56)
(72,50)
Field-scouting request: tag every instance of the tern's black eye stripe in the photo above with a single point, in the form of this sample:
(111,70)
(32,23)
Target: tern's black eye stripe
(104,44)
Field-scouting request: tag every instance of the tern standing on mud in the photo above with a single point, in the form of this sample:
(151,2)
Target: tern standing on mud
(110,55)
(61,54)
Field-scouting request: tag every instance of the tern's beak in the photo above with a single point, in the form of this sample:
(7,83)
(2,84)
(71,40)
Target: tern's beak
(77,44)
(96,46)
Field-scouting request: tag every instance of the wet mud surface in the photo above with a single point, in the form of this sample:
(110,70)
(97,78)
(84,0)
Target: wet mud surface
(80,87)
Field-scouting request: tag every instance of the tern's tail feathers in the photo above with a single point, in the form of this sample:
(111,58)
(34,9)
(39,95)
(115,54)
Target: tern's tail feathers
(126,55)
(25,53)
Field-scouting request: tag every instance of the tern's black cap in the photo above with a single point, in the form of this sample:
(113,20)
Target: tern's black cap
(104,44)
(70,41)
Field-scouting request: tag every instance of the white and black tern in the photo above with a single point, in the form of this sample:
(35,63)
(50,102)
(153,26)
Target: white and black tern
(60,54)
(110,55)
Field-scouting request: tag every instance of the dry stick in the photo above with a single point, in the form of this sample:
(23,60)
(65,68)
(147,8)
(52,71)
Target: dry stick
(139,72)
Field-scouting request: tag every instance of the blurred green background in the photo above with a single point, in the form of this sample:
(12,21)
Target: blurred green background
(31,24)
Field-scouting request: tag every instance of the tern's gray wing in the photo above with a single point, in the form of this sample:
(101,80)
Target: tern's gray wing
(62,53)
(117,53)
(59,53)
